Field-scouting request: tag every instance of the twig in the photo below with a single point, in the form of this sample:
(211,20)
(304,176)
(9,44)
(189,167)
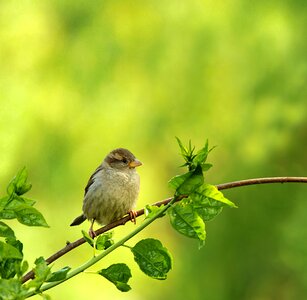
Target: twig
(69,246)
(264,180)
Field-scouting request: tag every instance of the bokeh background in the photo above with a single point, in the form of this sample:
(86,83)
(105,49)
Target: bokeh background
(79,78)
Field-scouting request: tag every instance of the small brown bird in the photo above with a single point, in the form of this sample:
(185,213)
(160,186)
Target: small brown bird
(112,190)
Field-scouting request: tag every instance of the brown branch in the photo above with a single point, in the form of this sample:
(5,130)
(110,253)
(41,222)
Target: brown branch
(264,180)
(69,246)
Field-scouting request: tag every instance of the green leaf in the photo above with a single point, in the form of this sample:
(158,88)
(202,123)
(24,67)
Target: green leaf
(152,210)
(3,201)
(204,208)
(188,182)
(19,200)
(58,275)
(153,259)
(41,267)
(24,267)
(213,193)
(87,238)
(10,207)
(30,216)
(13,201)
(119,274)
(19,184)
(27,201)
(7,214)
(206,167)
(12,289)
(15,206)
(178,180)
(187,154)
(41,271)
(183,149)
(104,241)
(15,243)
(202,155)
(9,251)
(186,221)
(10,265)
(6,231)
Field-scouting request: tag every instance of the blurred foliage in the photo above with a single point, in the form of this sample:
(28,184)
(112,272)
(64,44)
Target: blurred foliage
(78,79)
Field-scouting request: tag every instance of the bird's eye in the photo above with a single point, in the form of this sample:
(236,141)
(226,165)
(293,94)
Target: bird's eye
(124,160)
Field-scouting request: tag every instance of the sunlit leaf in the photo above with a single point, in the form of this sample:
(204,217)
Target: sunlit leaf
(10,266)
(153,259)
(6,231)
(188,182)
(30,216)
(7,214)
(202,155)
(104,241)
(9,251)
(213,193)
(186,221)
(27,201)
(87,238)
(24,267)
(178,180)
(119,275)
(205,210)
(183,149)
(3,201)
(152,210)
(58,275)
(19,184)
(41,271)
(12,289)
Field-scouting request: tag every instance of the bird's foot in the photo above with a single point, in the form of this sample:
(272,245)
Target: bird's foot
(133,214)
(91,231)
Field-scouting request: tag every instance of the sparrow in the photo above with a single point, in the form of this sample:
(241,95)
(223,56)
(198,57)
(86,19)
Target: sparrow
(112,190)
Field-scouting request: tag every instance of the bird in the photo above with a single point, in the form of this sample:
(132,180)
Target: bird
(112,190)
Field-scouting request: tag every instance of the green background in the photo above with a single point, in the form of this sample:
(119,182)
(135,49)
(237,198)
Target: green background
(79,78)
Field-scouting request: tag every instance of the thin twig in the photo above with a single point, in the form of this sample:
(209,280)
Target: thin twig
(69,246)
(264,180)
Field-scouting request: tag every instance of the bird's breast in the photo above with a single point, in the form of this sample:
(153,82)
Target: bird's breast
(111,195)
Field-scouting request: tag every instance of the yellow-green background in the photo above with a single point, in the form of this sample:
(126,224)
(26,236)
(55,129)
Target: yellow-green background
(79,78)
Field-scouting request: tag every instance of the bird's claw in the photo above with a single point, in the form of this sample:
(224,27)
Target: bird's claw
(133,214)
(91,231)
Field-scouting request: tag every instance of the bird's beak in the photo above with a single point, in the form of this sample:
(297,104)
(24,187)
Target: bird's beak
(135,163)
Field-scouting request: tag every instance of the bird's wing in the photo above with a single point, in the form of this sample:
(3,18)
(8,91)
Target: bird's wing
(91,180)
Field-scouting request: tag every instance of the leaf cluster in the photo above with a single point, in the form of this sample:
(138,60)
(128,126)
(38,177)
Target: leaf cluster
(150,255)
(201,201)
(12,264)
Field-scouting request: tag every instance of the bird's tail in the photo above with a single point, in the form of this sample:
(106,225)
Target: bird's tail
(78,220)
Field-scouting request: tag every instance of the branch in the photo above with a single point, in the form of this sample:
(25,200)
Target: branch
(264,180)
(69,246)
